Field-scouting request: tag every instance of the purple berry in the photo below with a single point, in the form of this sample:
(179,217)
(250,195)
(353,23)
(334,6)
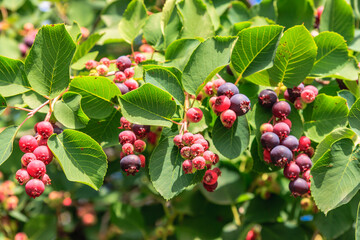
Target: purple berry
(281,155)
(298,187)
(291,171)
(228,89)
(304,162)
(291,142)
(123,88)
(123,63)
(267,98)
(281,109)
(130,164)
(269,140)
(140,131)
(240,104)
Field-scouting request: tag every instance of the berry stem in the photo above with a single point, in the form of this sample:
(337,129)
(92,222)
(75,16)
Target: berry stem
(52,104)
(110,73)
(218,75)
(236,214)
(132,50)
(238,79)
(20,108)
(30,114)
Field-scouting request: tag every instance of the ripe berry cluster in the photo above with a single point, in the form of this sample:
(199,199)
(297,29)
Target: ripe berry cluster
(7,195)
(37,156)
(132,145)
(194,149)
(301,95)
(229,103)
(280,147)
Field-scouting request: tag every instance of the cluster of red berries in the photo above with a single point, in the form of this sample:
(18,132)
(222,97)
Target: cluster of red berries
(194,149)
(37,156)
(132,141)
(229,103)
(7,195)
(280,147)
(301,95)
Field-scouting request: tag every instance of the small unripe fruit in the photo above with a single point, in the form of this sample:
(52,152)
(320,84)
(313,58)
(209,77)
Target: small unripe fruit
(139,146)
(131,84)
(142,160)
(187,166)
(130,164)
(292,171)
(210,177)
(313,89)
(267,98)
(21,236)
(125,124)
(217,83)
(44,129)
(139,58)
(267,156)
(43,154)
(46,179)
(196,150)
(127,137)
(91,64)
(22,176)
(281,109)
(127,148)
(209,157)
(308,96)
(221,104)
(36,169)
(304,143)
(123,63)
(210,188)
(105,61)
(185,152)
(197,137)
(187,139)
(27,143)
(34,188)
(208,88)
(298,187)
(194,115)
(27,158)
(178,141)
(199,163)
(203,143)
(102,70)
(119,76)
(228,118)
(266,127)
(129,72)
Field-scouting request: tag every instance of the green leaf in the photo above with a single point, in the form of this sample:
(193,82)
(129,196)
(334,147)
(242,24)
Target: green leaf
(194,12)
(282,231)
(34,100)
(260,78)
(264,210)
(348,71)
(255,49)
(238,12)
(350,98)
(265,9)
(166,14)
(294,58)
(353,87)
(324,115)
(338,17)
(334,136)
(113,12)
(152,31)
(166,78)
(354,117)
(126,217)
(179,52)
(238,27)
(166,172)
(3,104)
(48,63)
(106,131)
(231,142)
(132,20)
(80,63)
(7,137)
(148,105)
(9,47)
(259,165)
(332,54)
(357,226)
(355,43)
(336,175)
(86,46)
(215,18)
(13,80)
(201,68)
(97,94)
(69,113)
(291,13)
(74,31)
(80,157)
(41,227)
(14,4)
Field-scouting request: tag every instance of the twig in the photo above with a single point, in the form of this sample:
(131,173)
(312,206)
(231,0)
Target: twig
(20,108)
(218,75)
(238,79)
(30,114)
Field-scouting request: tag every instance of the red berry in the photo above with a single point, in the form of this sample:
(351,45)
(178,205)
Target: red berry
(128,148)
(208,88)
(199,163)
(308,96)
(27,158)
(139,58)
(187,166)
(306,175)
(127,137)
(319,11)
(34,188)
(125,124)
(304,143)
(131,84)
(46,179)
(281,109)
(129,72)
(212,101)
(27,143)
(209,157)
(187,139)
(142,160)
(130,164)
(194,115)
(221,104)
(123,63)
(22,176)
(42,142)
(203,143)
(105,61)
(304,162)
(178,141)
(299,104)
(292,171)
(45,129)
(217,83)
(36,169)
(228,118)
(282,130)
(185,152)
(210,188)
(44,154)
(298,187)
(218,171)
(139,146)
(196,150)
(119,76)
(267,156)
(210,177)
(266,127)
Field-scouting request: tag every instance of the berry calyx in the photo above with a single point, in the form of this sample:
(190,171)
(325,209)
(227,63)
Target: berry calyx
(130,164)
(36,169)
(187,166)
(27,143)
(44,129)
(228,118)
(34,188)
(43,154)
(292,171)
(281,109)
(194,115)
(22,176)
(123,63)
(267,98)
(210,177)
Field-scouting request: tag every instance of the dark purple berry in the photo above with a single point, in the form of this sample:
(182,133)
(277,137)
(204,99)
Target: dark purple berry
(240,104)
(292,171)
(298,187)
(295,92)
(281,109)
(281,155)
(304,162)
(130,164)
(267,98)
(123,88)
(291,142)
(228,89)
(123,63)
(140,131)
(281,129)
(210,188)
(269,140)
(228,70)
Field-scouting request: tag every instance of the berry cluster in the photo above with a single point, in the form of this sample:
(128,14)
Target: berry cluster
(194,149)
(56,199)
(132,145)
(7,195)
(229,103)
(37,156)
(280,147)
(301,95)
(29,33)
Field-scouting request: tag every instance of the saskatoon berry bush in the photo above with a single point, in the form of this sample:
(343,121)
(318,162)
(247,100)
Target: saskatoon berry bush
(180,119)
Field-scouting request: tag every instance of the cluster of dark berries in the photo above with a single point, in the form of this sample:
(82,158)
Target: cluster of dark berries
(37,156)
(301,95)
(132,145)
(280,147)
(194,149)
(226,100)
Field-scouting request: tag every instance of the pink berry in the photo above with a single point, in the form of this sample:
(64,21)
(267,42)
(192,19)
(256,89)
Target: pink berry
(131,84)
(27,158)
(217,83)
(287,121)
(91,64)
(308,96)
(209,157)
(22,176)
(187,166)
(203,142)
(312,88)
(34,188)
(139,58)
(129,72)
(21,236)
(45,129)
(210,177)
(123,63)
(222,103)
(128,148)
(228,118)
(127,137)
(119,76)
(210,188)
(304,143)
(178,141)
(196,150)
(194,115)
(197,137)
(139,146)
(282,130)
(185,152)
(306,175)
(36,169)
(105,61)
(102,70)
(125,124)
(208,88)
(292,171)
(199,163)
(212,101)
(299,103)
(27,143)
(46,179)
(142,160)
(187,139)
(266,127)
(44,154)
